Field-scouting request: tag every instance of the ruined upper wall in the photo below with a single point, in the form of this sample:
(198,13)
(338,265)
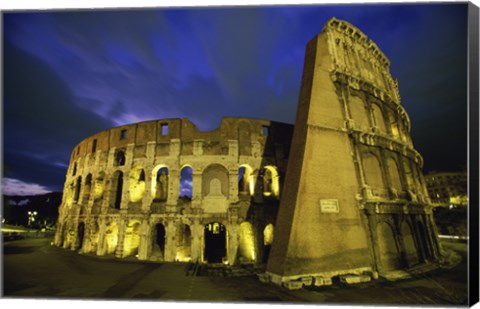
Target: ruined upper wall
(358,62)
(163,131)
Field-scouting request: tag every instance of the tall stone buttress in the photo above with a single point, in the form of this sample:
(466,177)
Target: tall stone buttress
(354,199)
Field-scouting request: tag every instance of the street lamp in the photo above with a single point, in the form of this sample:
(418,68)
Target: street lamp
(31,217)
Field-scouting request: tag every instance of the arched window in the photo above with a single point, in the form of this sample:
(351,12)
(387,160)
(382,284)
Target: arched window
(99,186)
(117,188)
(379,120)
(78,186)
(271,184)
(372,171)
(358,112)
(186,183)
(74,169)
(119,158)
(137,184)
(88,187)
(396,183)
(160,183)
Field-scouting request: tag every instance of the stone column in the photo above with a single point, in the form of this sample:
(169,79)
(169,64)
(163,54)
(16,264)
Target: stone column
(233,185)
(196,188)
(232,243)
(145,240)
(101,237)
(169,255)
(196,246)
(121,238)
(173,186)
(147,195)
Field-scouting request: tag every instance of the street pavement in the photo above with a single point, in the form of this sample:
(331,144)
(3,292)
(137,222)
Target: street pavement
(33,269)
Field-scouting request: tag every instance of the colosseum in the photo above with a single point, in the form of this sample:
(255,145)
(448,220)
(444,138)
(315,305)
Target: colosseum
(164,191)
(341,192)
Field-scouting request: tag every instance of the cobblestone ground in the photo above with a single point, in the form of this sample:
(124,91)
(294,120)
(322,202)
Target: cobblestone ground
(34,269)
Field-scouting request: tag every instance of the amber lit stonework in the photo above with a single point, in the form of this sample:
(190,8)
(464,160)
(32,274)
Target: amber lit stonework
(122,191)
(353,199)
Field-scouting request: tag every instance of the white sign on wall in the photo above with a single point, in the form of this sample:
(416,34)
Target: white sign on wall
(329,206)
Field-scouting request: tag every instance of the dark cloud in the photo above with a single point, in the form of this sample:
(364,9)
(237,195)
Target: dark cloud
(41,123)
(85,71)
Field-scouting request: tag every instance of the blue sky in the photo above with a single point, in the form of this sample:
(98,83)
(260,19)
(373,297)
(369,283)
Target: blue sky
(70,74)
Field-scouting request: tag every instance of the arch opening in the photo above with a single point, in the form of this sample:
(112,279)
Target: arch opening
(117,188)
(215,235)
(183,240)
(132,239)
(267,241)
(78,186)
(185,191)
(111,238)
(246,183)
(246,245)
(158,243)
(388,251)
(80,236)
(137,185)
(160,184)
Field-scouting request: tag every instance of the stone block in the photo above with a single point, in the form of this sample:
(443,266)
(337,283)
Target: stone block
(293,285)
(321,281)
(352,279)
(306,281)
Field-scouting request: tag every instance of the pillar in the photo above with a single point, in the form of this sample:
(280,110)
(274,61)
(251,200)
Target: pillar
(121,238)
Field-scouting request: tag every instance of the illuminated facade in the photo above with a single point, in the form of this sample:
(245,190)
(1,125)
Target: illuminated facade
(354,200)
(164,191)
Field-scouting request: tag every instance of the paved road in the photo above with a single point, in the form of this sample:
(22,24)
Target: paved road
(34,269)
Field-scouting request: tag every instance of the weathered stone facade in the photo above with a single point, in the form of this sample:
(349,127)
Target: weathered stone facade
(355,199)
(122,191)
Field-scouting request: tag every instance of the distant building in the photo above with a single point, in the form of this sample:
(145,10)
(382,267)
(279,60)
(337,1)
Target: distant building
(447,188)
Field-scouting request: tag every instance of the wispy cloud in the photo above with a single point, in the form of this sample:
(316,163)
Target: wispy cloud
(13,186)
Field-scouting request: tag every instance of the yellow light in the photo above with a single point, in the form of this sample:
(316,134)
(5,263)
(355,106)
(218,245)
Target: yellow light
(247,241)
(98,189)
(268,235)
(136,191)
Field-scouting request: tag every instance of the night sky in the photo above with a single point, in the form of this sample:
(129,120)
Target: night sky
(70,74)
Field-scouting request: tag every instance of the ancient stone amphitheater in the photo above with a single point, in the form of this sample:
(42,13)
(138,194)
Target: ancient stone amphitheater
(123,196)
(353,197)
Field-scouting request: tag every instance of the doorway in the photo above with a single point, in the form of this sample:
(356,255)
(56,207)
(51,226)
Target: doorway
(215,242)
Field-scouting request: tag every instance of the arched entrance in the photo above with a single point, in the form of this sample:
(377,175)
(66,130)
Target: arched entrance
(111,238)
(215,236)
(158,246)
(387,246)
(246,245)
(132,239)
(80,236)
(183,240)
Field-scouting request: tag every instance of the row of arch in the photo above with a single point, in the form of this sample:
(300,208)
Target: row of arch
(414,246)
(89,239)
(368,115)
(265,181)
(400,178)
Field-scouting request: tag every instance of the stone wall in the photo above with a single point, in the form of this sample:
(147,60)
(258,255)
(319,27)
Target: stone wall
(355,199)
(122,190)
